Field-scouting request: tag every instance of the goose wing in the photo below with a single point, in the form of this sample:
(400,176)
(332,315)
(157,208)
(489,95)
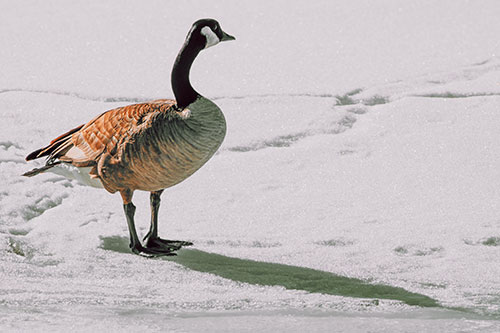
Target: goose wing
(83,145)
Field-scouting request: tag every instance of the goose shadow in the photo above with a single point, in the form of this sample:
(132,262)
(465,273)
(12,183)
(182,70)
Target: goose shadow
(287,276)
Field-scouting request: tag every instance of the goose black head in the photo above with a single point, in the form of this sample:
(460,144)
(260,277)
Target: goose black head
(208,33)
(203,34)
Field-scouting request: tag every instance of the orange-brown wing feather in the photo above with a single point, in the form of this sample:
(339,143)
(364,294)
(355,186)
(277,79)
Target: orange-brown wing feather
(108,130)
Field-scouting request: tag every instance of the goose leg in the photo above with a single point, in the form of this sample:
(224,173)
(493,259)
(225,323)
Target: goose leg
(135,243)
(151,238)
(154,199)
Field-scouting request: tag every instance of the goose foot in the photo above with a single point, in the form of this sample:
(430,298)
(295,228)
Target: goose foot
(150,252)
(156,243)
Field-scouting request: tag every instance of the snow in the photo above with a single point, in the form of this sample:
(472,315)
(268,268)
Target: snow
(362,142)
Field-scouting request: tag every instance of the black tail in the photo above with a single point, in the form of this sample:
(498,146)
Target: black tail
(34,154)
(54,144)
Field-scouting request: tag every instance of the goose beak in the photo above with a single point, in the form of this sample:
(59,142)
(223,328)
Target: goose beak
(226,37)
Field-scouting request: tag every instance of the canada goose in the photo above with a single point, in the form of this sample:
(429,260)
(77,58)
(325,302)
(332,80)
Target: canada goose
(149,146)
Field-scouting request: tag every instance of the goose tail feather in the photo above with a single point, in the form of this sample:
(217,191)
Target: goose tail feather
(36,171)
(55,146)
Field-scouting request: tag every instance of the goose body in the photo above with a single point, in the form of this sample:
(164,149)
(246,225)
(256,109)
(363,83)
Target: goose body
(149,146)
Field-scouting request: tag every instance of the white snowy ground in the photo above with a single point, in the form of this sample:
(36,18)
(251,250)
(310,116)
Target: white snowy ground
(362,141)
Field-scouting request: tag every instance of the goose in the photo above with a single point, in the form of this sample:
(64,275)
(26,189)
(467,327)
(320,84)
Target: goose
(148,146)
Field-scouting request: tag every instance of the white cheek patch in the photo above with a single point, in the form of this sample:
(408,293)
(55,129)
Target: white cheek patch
(212,38)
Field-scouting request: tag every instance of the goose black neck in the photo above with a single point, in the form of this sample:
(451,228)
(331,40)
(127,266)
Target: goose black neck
(183,91)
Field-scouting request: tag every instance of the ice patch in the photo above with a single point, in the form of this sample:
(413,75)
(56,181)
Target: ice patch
(350,99)
(448,94)
(20,247)
(335,242)
(115,243)
(487,241)
(416,250)
(358,109)
(491,241)
(278,142)
(375,100)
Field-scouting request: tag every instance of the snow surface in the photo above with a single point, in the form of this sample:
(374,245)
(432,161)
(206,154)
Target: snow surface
(362,142)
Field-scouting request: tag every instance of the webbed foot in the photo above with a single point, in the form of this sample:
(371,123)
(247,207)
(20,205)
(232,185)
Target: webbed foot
(150,252)
(157,243)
